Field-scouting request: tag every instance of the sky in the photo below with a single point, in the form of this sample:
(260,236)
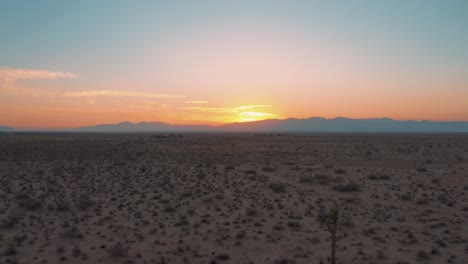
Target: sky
(66,64)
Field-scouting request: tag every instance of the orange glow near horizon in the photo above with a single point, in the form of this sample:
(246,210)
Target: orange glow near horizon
(37,105)
(223,78)
(70,113)
(217,62)
(27,106)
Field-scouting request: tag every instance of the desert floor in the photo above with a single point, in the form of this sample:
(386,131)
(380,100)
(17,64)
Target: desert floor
(245,198)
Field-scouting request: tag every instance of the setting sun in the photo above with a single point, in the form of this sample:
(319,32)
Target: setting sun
(254,116)
(222,64)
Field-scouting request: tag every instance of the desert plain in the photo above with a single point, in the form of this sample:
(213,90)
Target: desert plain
(232,198)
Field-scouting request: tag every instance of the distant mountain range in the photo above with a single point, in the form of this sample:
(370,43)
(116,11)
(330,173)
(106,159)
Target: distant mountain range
(313,124)
(6,129)
(143,127)
(309,125)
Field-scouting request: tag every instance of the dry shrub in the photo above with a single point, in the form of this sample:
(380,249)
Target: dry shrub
(348,187)
(278,187)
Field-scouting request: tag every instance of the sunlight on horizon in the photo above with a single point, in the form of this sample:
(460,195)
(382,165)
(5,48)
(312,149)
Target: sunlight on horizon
(66,66)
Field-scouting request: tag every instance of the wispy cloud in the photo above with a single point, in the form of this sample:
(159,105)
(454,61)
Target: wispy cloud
(154,106)
(236,109)
(8,77)
(246,107)
(14,74)
(196,102)
(208,109)
(120,93)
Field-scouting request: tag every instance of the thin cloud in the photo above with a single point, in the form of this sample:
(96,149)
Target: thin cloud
(196,102)
(208,109)
(246,107)
(14,74)
(237,109)
(120,93)
(8,77)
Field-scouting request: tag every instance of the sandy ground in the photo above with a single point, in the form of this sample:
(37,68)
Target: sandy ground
(232,198)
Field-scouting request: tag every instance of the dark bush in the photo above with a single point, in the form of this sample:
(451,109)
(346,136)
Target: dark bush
(340,171)
(73,233)
(268,169)
(278,187)
(62,206)
(84,202)
(422,255)
(385,177)
(306,179)
(322,179)
(118,250)
(10,222)
(10,251)
(348,187)
(229,167)
(222,257)
(405,197)
(30,204)
(285,261)
(378,177)
(251,212)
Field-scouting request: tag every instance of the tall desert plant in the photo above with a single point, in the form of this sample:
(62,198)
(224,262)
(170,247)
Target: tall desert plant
(329,219)
(161,260)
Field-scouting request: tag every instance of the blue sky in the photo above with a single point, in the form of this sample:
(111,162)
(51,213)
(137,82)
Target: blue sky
(65,32)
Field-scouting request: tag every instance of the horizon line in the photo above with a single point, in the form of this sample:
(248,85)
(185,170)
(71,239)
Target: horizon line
(32,129)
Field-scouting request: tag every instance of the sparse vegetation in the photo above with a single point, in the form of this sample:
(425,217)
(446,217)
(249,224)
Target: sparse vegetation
(423,255)
(10,221)
(348,187)
(30,203)
(84,202)
(322,179)
(118,250)
(278,187)
(306,179)
(268,169)
(421,169)
(201,199)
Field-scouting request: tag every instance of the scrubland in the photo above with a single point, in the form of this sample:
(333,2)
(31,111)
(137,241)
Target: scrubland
(232,198)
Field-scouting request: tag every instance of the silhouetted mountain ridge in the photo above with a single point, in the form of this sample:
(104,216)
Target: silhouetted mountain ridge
(312,124)
(6,129)
(142,127)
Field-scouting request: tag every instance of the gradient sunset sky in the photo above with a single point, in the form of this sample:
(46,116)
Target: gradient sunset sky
(67,64)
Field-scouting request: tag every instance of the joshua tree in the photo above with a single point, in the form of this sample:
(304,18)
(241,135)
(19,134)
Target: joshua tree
(161,260)
(329,219)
